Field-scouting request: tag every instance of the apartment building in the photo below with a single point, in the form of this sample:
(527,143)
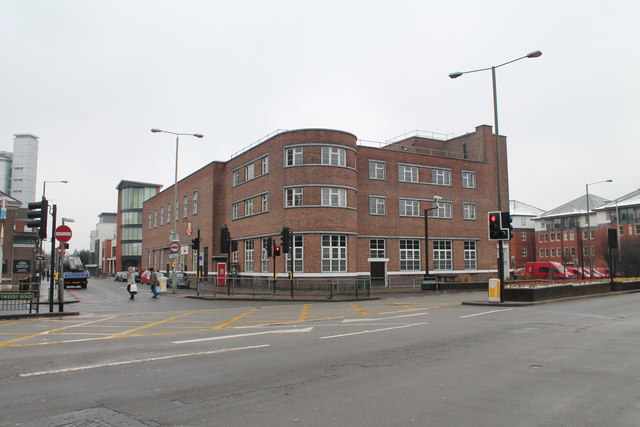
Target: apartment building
(355,208)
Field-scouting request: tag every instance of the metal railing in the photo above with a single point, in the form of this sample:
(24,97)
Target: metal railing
(330,288)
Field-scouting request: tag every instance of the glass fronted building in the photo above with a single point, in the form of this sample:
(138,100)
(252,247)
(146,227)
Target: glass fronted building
(131,196)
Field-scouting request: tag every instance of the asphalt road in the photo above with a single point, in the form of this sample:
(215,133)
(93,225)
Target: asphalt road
(403,360)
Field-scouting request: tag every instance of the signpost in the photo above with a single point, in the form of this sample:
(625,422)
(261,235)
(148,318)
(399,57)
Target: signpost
(63,235)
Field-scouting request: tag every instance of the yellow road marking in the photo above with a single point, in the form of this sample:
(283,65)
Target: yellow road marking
(361,311)
(303,314)
(121,334)
(404,305)
(235,319)
(49,332)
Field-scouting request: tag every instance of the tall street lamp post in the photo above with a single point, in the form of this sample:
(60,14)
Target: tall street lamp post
(44,186)
(174,237)
(590,260)
(534,54)
(427,280)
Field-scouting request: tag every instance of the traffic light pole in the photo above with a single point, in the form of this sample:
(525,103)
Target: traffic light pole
(53,257)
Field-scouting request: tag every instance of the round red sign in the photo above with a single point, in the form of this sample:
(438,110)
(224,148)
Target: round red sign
(63,233)
(174,247)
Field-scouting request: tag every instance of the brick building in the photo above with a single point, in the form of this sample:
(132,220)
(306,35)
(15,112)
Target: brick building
(18,246)
(355,208)
(522,247)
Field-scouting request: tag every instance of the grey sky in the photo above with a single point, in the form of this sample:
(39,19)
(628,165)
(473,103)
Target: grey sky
(91,78)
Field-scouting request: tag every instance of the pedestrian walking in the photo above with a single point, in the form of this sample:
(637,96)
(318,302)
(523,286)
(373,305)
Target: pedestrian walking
(132,288)
(153,281)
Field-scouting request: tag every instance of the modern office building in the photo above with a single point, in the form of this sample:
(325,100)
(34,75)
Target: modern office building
(355,208)
(522,247)
(24,168)
(131,196)
(105,231)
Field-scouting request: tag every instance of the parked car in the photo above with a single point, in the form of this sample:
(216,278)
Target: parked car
(181,279)
(121,276)
(548,270)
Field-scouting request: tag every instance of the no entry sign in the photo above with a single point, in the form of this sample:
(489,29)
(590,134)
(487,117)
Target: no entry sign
(174,247)
(63,233)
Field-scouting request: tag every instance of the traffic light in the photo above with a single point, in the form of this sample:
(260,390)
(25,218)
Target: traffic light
(39,211)
(196,244)
(224,239)
(495,225)
(268,243)
(286,239)
(507,226)
(276,250)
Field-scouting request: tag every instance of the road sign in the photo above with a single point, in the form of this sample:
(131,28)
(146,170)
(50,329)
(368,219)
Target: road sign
(173,256)
(60,251)
(40,258)
(63,233)
(174,247)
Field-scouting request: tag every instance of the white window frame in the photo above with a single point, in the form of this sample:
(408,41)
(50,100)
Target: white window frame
(443,211)
(409,255)
(248,255)
(161,215)
(194,203)
(333,253)
(441,176)
(334,197)
(265,165)
(442,255)
(468,179)
(185,206)
(234,211)
(293,156)
(265,203)
(298,253)
(168,213)
(250,172)
(377,249)
(407,173)
(470,255)
(377,205)
(469,211)
(294,197)
(409,207)
(334,156)
(248,207)
(377,170)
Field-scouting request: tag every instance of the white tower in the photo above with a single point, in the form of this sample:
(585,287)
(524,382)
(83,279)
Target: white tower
(24,167)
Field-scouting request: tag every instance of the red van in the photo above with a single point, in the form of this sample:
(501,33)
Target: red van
(548,270)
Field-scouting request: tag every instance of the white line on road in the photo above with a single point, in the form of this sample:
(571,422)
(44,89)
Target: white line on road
(224,337)
(372,319)
(486,312)
(374,330)
(134,361)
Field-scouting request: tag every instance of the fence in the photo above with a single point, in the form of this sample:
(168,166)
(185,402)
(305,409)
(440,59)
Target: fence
(330,288)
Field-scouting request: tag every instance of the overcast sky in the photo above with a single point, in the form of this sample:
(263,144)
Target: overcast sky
(91,78)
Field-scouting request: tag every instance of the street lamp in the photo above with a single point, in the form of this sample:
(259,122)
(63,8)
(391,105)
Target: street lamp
(44,186)
(534,54)
(589,228)
(427,280)
(67,220)
(174,237)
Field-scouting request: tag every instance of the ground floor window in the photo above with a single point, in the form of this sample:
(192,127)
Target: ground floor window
(334,253)
(470,256)
(298,254)
(409,254)
(442,255)
(248,255)
(265,255)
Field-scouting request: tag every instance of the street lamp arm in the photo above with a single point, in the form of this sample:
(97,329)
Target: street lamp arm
(197,135)
(533,54)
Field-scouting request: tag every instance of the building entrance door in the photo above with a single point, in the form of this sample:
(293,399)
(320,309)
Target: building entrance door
(378,273)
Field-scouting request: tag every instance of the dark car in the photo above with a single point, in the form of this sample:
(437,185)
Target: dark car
(181,279)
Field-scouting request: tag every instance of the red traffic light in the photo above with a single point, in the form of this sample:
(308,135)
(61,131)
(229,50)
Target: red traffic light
(493,218)
(277,250)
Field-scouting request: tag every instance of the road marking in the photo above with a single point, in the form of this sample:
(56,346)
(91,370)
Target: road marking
(374,330)
(236,318)
(373,319)
(404,305)
(303,314)
(364,313)
(50,332)
(122,334)
(134,361)
(485,312)
(224,337)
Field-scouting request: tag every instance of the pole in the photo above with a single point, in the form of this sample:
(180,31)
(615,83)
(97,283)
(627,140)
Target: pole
(499,179)
(426,243)
(60,283)
(53,257)
(174,237)
(588,235)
